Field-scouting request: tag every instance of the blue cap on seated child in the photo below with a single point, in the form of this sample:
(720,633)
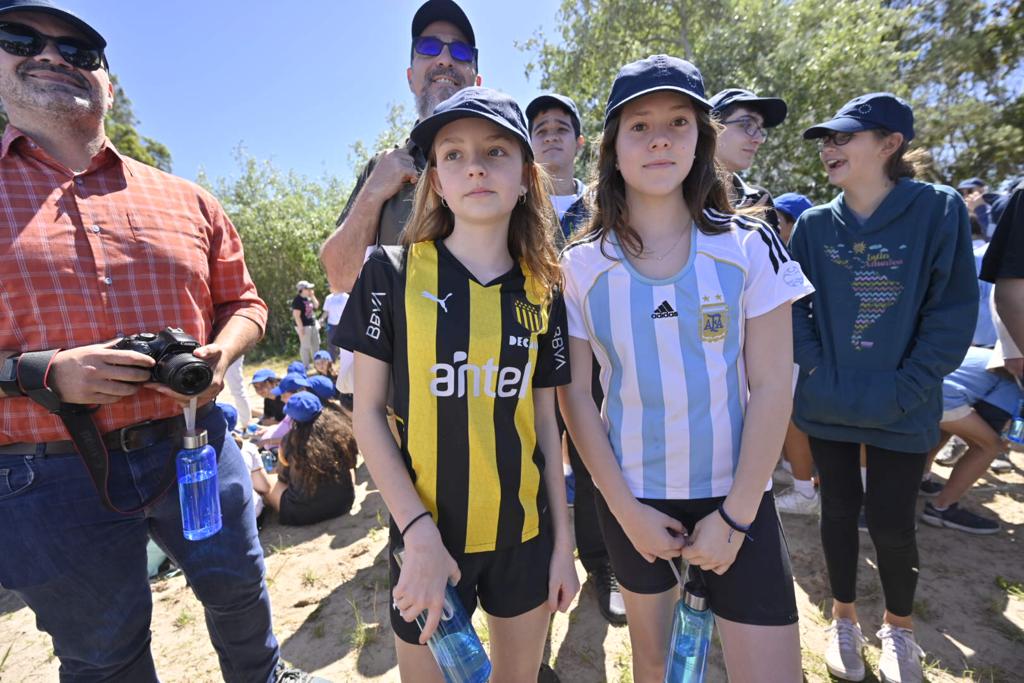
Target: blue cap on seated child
(303,407)
(297,366)
(230,415)
(322,386)
(291,383)
(321,355)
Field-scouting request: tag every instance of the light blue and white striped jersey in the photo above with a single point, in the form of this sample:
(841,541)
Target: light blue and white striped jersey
(671,351)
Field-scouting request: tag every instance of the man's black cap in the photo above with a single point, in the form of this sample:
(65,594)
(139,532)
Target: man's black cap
(442,10)
(474,102)
(772,109)
(657,72)
(49,7)
(554,101)
(868,112)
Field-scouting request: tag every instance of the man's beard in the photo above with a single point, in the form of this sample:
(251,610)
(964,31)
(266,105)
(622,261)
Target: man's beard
(434,94)
(57,99)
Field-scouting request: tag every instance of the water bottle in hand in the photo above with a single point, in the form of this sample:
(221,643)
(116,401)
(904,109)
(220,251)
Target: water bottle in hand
(691,637)
(454,643)
(197,487)
(1015,432)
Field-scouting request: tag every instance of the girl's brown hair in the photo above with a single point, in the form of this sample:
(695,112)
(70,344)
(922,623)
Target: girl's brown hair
(530,229)
(323,449)
(905,162)
(704,187)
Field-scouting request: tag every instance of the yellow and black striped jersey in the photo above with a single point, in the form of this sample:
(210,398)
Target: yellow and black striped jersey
(464,360)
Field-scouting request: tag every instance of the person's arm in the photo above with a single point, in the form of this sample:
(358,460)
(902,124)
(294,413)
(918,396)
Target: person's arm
(343,252)
(769,362)
(653,534)
(427,566)
(260,482)
(1009,299)
(563,584)
(297,317)
(807,349)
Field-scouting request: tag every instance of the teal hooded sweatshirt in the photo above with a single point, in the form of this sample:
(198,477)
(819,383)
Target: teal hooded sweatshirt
(893,311)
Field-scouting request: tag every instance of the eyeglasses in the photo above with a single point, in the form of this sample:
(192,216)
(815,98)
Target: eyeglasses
(24,41)
(751,127)
(429,46)
(835,139)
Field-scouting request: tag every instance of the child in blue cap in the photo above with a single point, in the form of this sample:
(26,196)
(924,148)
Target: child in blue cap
(686,306)
(893,312)
(465,322)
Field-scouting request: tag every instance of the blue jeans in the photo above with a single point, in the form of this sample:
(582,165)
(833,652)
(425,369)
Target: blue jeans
(82,568)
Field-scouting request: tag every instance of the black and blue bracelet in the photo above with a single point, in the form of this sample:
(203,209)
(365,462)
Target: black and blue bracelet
(733,526)
(425,513)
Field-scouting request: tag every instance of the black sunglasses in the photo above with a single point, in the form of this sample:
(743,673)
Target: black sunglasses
(24,41)
(429,46)
(835,139)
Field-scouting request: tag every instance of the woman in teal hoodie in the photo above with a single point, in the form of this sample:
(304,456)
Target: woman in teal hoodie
(892,313)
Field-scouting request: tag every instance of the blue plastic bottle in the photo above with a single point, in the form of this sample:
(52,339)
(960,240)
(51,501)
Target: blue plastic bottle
(1015,432)
(197,487)
(454,643)
(687,660)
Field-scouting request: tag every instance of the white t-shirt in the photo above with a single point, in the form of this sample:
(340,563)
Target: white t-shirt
(562,202)
(251,455)
(334,305)
(671,351)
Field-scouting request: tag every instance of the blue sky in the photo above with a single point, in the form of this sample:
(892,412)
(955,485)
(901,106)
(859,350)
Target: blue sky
(294,86)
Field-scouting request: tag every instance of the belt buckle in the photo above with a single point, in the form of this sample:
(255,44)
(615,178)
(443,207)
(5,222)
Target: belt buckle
(127,430)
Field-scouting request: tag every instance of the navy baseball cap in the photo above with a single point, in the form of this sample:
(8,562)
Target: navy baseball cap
(657,72)
(303,407)
(322,386)
(772,109)
(971,184)
(868,112)
(296,366)
(474,102)
(263,374)
(792,204)
(321,355)
(51,8)
(442,10)
(291,383)
(230,415)
(554,101)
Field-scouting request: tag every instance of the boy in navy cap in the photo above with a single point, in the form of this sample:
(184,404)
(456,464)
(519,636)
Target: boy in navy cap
(789,207)
(556,138)
(747,119)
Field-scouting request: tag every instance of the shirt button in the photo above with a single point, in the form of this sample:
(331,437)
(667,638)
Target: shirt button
(108,281)
(95,228)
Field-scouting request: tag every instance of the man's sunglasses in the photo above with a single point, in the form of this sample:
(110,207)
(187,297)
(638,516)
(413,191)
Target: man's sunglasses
(429,46)
(24,41)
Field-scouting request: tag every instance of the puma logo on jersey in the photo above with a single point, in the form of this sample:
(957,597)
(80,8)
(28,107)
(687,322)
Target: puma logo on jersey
(443,303)
(460,378)
(376,304)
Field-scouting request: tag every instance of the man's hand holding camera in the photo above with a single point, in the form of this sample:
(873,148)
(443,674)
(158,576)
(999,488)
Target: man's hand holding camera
(218,361)
(98,373)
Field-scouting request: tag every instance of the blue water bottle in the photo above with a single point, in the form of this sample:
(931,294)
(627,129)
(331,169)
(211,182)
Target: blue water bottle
(687,660)
(197,487)
(454,643)
(1015,432)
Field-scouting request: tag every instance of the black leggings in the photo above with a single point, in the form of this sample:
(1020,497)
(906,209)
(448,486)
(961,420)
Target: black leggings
(890,507)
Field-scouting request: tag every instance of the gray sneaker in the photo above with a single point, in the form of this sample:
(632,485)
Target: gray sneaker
(951,452)
(843,656)
(283,673)
(901,656)
(793,502)
(1001,464)
(956,517)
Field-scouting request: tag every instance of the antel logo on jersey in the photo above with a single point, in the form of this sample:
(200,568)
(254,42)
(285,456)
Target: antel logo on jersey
(461,378)
(376,304)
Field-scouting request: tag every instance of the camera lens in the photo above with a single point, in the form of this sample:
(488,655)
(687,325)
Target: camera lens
(184,373)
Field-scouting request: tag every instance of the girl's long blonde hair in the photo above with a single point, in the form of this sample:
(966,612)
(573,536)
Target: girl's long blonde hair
(530,229)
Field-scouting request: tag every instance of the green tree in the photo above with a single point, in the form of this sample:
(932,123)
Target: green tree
(121,125)
(398,123)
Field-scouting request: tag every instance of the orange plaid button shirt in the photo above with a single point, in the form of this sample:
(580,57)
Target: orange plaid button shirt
(119,249)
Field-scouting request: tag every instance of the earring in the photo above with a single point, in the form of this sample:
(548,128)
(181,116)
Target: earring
(522,198)
(443,202)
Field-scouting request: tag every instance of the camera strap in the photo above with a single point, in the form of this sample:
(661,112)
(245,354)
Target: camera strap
(32,371)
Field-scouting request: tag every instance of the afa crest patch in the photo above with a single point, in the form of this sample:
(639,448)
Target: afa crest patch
(714,322)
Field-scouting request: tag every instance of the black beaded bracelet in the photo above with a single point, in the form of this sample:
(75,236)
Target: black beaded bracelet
(425,513)
(733,526)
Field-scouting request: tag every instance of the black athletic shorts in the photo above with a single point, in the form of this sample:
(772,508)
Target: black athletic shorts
(507,582)
(758,587)
(994,417)
(332,499)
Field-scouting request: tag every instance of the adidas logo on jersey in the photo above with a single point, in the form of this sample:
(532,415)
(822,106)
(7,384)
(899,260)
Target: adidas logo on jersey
(460,378)
(665,310)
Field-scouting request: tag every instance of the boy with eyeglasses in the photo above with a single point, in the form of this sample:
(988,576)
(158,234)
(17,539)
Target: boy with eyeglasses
(746,118)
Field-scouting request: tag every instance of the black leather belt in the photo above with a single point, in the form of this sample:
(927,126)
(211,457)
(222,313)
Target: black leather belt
(131,438)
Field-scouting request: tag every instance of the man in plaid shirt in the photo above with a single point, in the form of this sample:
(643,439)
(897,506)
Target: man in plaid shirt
(94,246)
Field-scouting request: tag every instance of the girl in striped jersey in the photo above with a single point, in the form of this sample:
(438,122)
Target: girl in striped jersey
(464,323)
(686,306)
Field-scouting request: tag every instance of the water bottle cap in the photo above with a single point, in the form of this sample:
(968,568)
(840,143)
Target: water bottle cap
(193,440)
(694,596)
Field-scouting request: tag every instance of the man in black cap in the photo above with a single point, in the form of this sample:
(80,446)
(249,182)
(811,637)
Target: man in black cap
(443,61)
(747,119)
(96,245)
(556,138)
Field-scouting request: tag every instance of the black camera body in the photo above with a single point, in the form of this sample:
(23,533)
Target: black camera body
(175,367)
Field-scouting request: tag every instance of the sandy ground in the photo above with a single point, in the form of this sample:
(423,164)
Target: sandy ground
(328,585)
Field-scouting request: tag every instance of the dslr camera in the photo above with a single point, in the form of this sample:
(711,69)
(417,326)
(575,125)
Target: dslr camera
(175,367)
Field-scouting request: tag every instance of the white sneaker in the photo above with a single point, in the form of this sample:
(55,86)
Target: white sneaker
(843,656)
(901,656)
(795,503)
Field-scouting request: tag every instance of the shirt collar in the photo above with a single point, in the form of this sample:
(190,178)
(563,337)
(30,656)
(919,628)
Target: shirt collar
(102,158)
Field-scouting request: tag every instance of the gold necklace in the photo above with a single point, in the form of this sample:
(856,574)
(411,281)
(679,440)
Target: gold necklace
(670,249)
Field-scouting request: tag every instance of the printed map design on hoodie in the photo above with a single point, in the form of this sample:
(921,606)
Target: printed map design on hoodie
(875,293)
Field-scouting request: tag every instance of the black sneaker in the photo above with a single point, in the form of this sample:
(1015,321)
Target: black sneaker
(283,673)
(931,488)
(955,517)
(609,598)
